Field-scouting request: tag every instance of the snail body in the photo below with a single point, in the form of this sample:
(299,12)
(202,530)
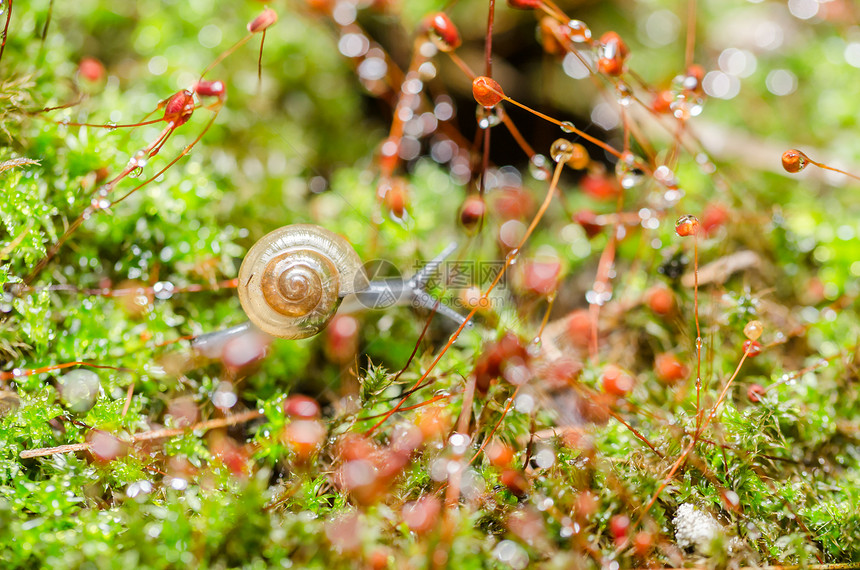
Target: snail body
(293,279)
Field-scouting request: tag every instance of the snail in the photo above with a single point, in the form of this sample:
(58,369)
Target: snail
(294,279)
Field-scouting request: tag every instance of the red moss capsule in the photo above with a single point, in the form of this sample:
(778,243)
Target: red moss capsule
(755,392)
(616,382)
(660,300)
(714,217)
(752,347)
(443,31)
(613,54)
(300,406)
(342,338)
(550,32)
(396,198)
(598,187)
(512,203)
(433,423)
(687,225)
(515,482)
(579,328)
(794,161)
(499,454)
(421,515)
(588,220)
(263,22)
(179,107)
(642,543)
(91,69)
(669,369)
(472,211)
(210,88)
(541,276)
(619,526)
(304,436)
(487,91)
(662,101)
(105,447)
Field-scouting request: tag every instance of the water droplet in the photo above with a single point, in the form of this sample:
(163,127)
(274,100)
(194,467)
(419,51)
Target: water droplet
(488,117)
(539,167)
(753,330)
(163,290)
(568,127)
(111,126)
(629,175)
(561,150)
(135,172)
(686,105)
(511,258)
(623,93)
(79,390)
(579,31)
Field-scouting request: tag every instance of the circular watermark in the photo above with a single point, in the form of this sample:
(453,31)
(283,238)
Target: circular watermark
(380,285)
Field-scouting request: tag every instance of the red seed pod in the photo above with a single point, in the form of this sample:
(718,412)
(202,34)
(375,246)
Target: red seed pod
(616,382)
(687,225)
(525,4)
(669,369)
(752,347)
(472,211)
(487,91)
(444,32)
(755,392)
(300,406)
(794,161)
(210,89)
(179,107)
(613,54)
(660,300)
(263,22)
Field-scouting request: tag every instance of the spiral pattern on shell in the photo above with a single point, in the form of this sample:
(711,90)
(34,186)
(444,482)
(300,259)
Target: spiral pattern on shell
(293,279)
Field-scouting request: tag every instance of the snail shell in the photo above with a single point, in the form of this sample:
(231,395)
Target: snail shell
(293,279)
